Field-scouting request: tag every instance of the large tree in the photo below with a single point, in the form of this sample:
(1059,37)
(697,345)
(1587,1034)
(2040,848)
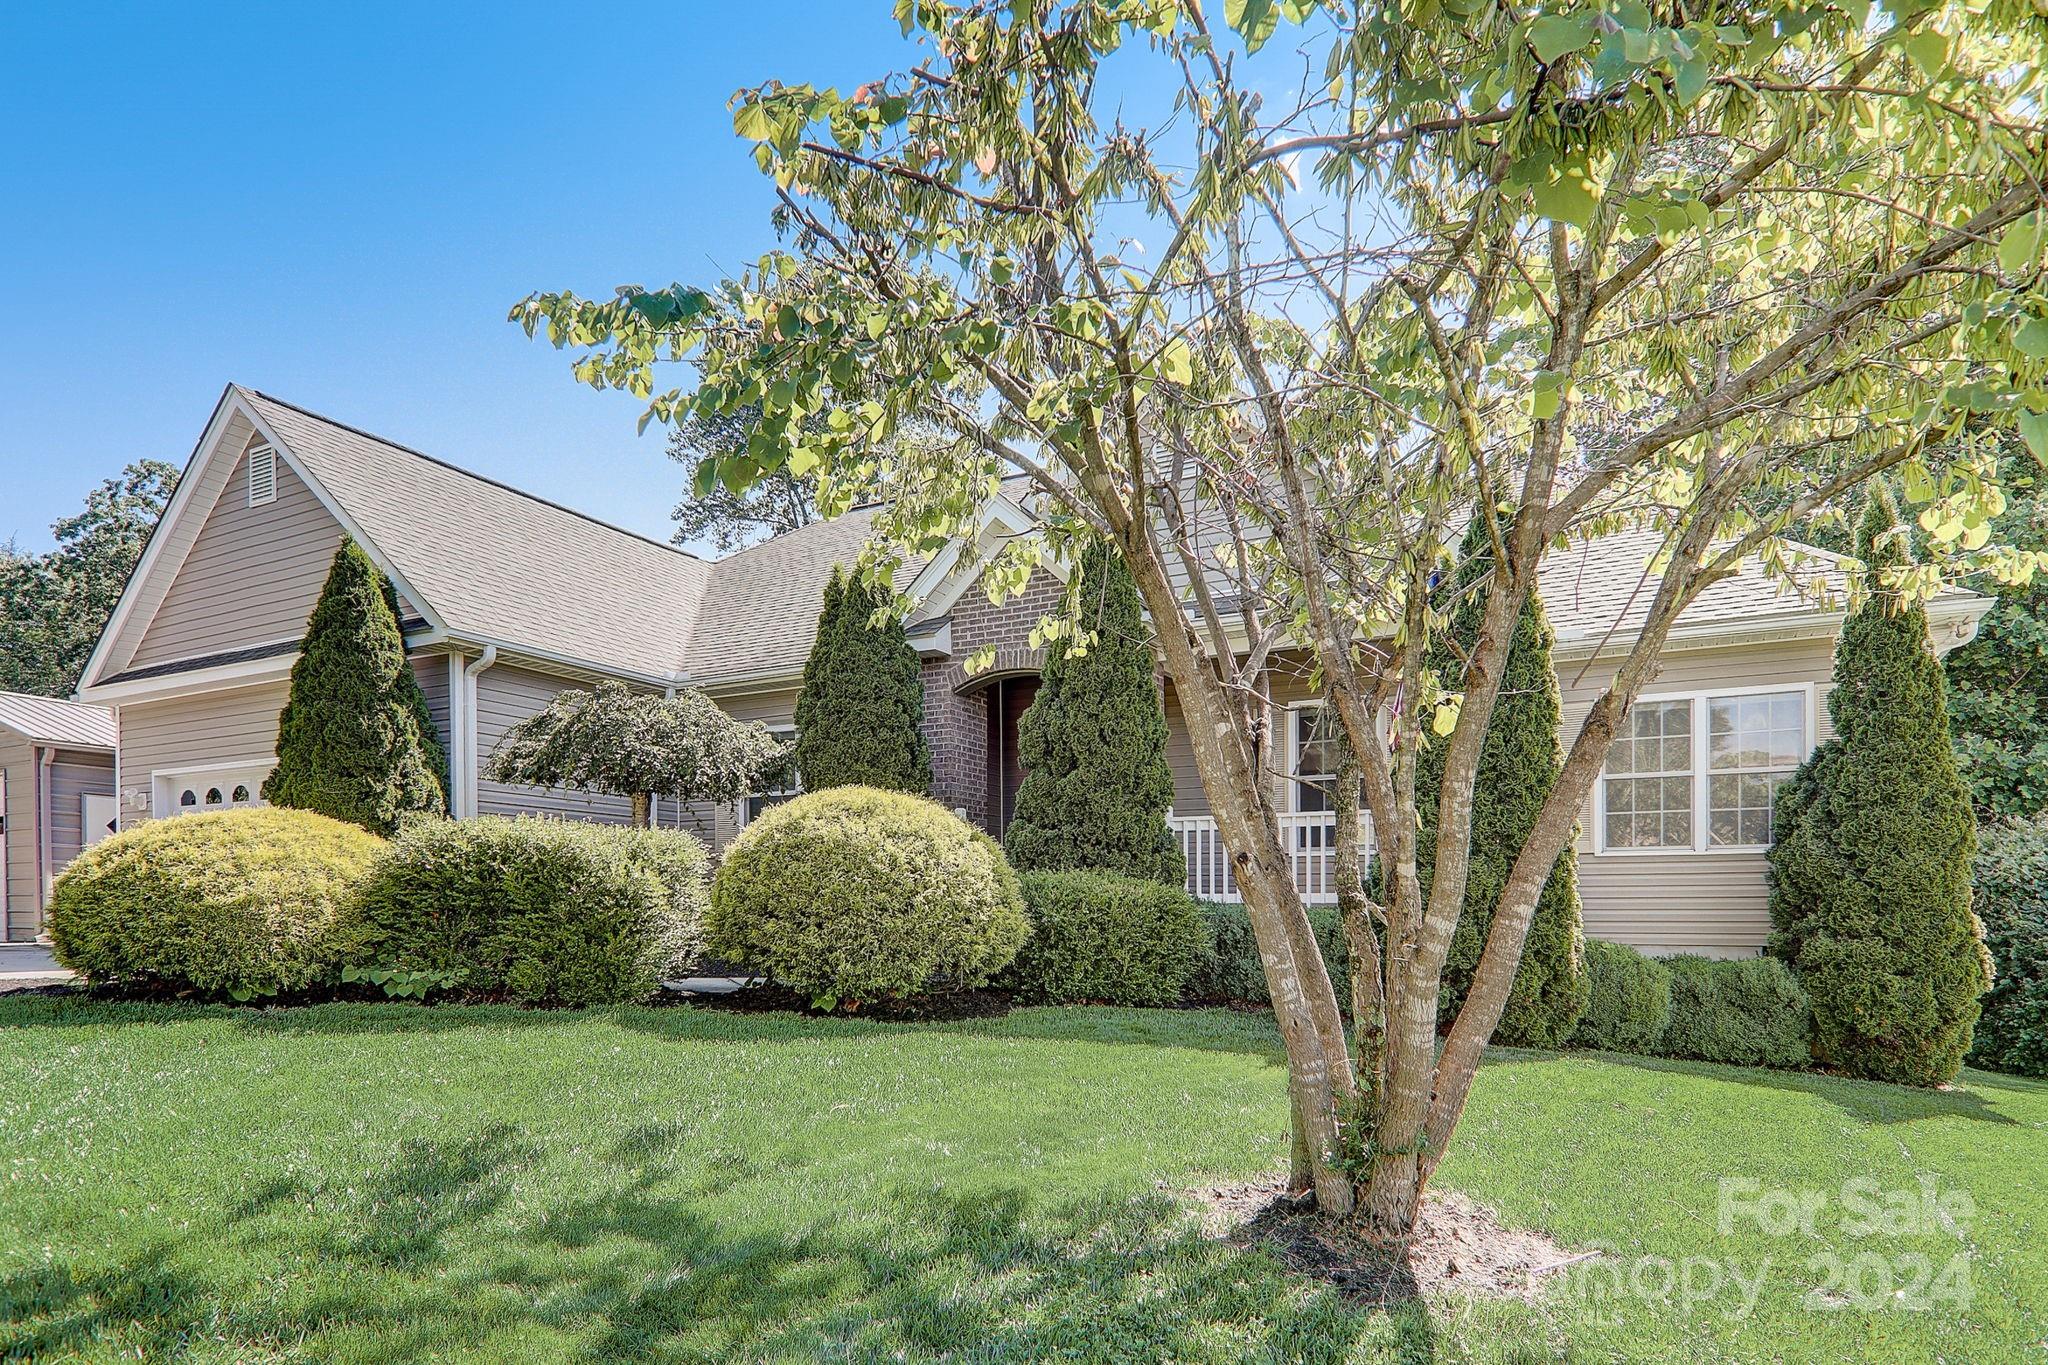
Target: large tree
(728,518)
(860,713)
(1275,320)
(355,739)
(639,745)
(1870,874)
(1096,783)
(53,605)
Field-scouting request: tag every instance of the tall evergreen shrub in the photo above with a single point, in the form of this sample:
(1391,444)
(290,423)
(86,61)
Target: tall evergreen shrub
(1519,763)
(858,716)
(1093,744)
(1870,871)
(355,740)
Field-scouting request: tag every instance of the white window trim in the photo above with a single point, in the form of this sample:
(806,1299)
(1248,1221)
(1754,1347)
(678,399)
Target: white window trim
(163,805)
(1701,774)
(1295,788)
(745,803)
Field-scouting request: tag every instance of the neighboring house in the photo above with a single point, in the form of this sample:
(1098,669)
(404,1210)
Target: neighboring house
(507,599)
(56,797)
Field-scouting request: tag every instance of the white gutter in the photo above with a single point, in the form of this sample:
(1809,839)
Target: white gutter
(45,757)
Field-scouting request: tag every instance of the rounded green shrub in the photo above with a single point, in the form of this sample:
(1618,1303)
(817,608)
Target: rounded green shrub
(540,912)
(1744,1011)
(240,903)
(1097,936)
(1628,1000)
(855,893)
(2012,900)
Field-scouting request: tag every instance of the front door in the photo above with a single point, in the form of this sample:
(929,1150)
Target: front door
(1007,700)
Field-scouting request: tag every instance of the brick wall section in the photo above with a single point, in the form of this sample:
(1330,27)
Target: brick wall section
(956,723)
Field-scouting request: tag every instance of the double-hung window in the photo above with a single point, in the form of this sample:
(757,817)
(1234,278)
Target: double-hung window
(788,784)
(1699,773)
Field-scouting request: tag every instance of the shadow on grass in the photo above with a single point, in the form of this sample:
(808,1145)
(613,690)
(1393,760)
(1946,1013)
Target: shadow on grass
(441,1247)
(1200,1029)
(1870,1101)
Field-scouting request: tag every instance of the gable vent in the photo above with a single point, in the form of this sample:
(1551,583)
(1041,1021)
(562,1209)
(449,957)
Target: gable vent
(262,475)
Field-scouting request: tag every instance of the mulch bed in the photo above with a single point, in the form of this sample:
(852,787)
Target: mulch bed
(940,1005)
(1458,1247)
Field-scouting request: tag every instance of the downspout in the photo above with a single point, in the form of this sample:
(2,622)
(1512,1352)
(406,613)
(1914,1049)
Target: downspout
(469,757)
(45,756)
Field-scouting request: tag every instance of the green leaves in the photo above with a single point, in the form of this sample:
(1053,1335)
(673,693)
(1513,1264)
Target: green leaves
(1177,362)
(1555,35)
(1546,396)
(2034,431)
(1252,20)
(2019,250)
(2030,338)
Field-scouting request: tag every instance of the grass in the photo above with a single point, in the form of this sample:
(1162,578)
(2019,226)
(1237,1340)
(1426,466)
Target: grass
(397,1184)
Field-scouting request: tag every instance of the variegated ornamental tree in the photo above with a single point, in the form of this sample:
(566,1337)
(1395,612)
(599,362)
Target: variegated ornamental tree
(1273,294)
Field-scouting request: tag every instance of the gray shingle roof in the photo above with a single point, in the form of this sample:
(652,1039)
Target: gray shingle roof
(46,720)
(500,565)
(1604,585)
(760,615)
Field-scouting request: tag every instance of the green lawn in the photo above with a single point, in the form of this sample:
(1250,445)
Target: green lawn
(400,1184)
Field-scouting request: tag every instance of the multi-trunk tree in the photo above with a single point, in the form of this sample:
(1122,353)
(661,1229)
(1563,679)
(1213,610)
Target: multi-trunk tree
(1517,767)
(355,739)
(1096,783)
(1274,317)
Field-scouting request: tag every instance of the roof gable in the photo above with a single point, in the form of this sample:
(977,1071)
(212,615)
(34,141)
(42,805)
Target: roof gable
(493,565)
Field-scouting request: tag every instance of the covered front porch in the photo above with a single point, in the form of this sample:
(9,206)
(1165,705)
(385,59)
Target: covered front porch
(1310,838)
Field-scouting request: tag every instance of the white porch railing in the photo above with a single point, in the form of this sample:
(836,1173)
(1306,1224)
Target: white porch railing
(1310,838)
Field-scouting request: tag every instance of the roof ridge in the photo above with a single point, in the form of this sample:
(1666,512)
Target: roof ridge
(304,411)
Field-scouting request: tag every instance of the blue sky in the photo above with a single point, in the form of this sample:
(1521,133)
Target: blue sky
(338,204)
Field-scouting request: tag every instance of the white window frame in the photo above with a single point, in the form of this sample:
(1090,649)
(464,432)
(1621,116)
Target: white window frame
(268,455)
(1702,816)
(1295,787)
(746,803)
(163,784)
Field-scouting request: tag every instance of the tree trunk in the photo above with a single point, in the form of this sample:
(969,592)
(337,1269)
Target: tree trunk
(642,803)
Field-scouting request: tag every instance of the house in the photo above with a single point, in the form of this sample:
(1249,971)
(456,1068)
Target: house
(507,599)
(56,797)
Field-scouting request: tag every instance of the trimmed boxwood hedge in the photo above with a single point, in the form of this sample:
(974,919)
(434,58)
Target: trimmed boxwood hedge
(1628,1004)
(1097,936)
(1746,1011)
(240,903)
(855,894)
(2012,900)
(539,912)
(1231,970)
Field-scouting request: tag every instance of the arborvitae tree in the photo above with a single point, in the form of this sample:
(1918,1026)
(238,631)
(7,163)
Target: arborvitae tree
(355,740)
(1093,744)
(858,716)
(1518,765)
(1870,870)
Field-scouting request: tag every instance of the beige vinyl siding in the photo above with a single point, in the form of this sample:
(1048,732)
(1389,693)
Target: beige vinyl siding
(1667,902)
(775,708)
(251,576)
(202,486)
(1189,796)
(506,695)
(24,897)
(73,774)
(236,725)
(432,671)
